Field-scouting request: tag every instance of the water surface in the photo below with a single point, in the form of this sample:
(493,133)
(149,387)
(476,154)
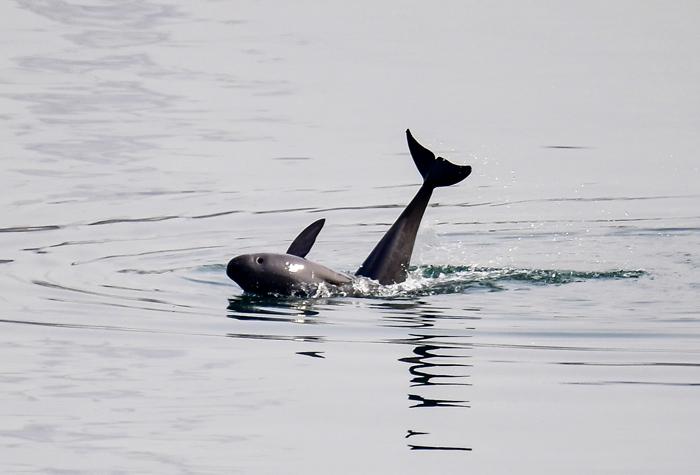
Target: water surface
(550,324)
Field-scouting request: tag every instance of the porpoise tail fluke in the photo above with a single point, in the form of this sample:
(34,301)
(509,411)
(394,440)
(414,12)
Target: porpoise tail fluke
(389,260)
(436,172)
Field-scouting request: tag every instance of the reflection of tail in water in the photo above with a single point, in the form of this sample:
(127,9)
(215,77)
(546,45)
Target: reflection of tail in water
(421,362)
(420,378)
(313,354)
(427,402)
(432,368)
(438,447)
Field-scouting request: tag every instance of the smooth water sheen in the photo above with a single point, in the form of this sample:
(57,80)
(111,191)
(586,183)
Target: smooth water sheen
(551,321)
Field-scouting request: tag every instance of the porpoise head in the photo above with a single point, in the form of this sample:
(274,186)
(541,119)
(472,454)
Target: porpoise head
(267,273)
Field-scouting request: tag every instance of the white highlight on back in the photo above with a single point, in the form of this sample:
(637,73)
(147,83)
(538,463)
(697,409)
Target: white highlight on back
(295,267)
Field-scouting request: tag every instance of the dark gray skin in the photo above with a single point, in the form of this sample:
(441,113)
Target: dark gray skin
(281,274)
(285,274)
(291,273)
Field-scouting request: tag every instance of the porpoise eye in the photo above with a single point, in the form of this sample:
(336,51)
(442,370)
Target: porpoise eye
(259,260)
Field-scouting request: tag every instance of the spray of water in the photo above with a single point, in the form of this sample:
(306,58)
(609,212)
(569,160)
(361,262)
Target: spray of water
(437,280)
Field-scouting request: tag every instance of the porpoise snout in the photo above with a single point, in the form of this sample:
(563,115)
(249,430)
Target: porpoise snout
(236,267)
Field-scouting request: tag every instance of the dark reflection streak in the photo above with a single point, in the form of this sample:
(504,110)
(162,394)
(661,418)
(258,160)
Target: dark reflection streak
(253,318)
(61,244)
(313,354)
(425,351)
(420,362)
(132,289)
(42,249)
(28,229)
(559,221)
(644,232)
(596,199)
(423,338)
(133,220)
(428,402)
(289,210)
(148,272)
(306,339)
(97,327)
(447,345)
(103,294)
(548,347)
(6,261)
(162,251)
(208,282)
(428,321)
(403,306)
(411,433)
(415,339)
(61,325)
(256,336)
(318,338)
(307,312)
(408,324)
(249,307)
(438,447)
(462,205)
(353,208)
(387,187)
(425,379)
(214,215)
(121,305)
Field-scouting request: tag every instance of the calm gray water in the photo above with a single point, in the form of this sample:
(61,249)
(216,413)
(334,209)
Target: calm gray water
(551,325)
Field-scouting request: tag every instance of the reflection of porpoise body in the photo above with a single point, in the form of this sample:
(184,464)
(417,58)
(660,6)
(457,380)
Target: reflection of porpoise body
(291,273)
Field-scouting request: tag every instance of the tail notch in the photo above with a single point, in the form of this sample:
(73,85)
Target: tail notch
(436,172)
